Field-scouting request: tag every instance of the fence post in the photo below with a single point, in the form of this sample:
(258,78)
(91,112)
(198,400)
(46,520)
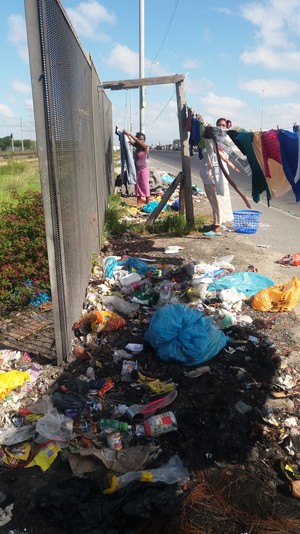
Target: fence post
(185,154)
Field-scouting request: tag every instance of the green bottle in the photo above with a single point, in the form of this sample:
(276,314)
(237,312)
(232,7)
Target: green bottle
(113,424)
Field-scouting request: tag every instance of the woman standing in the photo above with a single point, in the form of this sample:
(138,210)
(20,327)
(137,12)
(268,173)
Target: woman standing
(215,185)
(142,171)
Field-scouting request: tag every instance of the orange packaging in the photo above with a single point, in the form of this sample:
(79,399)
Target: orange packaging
(291,259)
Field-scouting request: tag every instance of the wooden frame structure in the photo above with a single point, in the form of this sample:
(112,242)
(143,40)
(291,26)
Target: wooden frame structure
(184,176)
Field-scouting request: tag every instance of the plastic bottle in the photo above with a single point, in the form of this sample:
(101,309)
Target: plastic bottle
(130,278)
(119,304)
(113,424)
(173,472)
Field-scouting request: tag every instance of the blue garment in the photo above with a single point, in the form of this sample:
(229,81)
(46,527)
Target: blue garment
(127,162)
(288,142)
(194,133)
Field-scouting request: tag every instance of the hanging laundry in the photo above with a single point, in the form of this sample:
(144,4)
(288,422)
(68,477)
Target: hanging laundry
(297,175)
(278,183)
(188,120)
(127,163)
(194,132)
(270,149)
(288,142)
(243,141)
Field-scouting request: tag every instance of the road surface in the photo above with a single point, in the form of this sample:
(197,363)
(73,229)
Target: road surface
(280,223)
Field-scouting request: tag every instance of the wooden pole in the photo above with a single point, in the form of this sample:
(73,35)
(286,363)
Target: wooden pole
(185,154)
(165,198)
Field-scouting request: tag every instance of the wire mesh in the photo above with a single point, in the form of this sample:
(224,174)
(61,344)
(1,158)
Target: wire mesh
(74,137)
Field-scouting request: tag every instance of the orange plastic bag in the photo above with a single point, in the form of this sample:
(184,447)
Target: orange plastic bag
(278,298)
(97,321)
(291,259)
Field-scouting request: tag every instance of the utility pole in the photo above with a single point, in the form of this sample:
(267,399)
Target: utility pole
(142,66)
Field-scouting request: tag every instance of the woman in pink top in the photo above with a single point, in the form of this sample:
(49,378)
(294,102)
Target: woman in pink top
(142,172)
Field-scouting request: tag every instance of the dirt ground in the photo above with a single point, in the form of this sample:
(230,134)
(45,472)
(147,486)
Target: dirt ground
(235,459)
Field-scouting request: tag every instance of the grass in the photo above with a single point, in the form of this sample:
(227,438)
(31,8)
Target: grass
(18,176)
(168,223)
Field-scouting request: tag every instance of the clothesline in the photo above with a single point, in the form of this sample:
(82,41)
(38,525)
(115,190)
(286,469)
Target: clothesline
(273,156)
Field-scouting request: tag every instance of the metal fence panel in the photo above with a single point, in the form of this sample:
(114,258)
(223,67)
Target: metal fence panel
(74,137)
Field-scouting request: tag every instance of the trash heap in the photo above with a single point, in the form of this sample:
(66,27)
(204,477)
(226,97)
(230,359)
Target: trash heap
(171,373)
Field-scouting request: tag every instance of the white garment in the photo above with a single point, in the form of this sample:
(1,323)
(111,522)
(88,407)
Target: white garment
(297,175)
(215,185)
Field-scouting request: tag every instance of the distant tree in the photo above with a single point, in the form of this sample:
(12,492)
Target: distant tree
(5,142)
(17,143)
(28,143)
(176,142)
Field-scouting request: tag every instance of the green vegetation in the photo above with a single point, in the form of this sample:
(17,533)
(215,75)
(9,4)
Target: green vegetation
(23,253)
(24,270)
(172,223)
(6,143)
(18,176)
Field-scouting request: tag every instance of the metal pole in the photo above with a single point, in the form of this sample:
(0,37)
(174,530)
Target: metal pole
(142,66)
(22,140)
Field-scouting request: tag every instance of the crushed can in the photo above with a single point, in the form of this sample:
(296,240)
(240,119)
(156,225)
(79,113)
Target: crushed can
(160,424)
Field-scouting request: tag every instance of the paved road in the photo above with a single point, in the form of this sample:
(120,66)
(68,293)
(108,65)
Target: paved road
(280,223)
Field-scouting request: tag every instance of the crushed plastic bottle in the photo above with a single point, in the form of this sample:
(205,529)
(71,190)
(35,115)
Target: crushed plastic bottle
(113,424)
(171,473)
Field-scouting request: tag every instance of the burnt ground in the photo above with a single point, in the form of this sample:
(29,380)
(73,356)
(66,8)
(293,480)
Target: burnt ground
(237,483)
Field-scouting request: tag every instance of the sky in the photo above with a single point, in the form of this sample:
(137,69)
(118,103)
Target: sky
(241,60)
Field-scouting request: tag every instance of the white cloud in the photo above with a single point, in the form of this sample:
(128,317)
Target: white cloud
(214,106)
(123,58)
(20,87)
(278,26)
(88,16)
(276,87)
(29,104)
(17,29)
(5,112)
(225,11)
(197,87)
(17,35)
(191,63)
(273,60)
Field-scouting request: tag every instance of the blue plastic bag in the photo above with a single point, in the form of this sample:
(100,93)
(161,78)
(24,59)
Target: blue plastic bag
(135,264)
(150,206)
(184,335)
(245,282)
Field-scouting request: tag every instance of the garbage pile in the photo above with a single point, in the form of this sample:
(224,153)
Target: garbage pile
(172,373)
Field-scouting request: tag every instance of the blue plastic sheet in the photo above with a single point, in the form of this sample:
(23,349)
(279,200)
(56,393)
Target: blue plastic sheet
(136,265)
(248,283)
(150,206)
(184,335)
(167,178)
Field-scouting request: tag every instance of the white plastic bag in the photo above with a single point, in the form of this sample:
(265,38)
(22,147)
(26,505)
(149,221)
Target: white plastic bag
(54,426)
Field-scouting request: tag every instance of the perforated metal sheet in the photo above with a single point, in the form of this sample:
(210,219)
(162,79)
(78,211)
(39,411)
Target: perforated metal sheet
(74,135)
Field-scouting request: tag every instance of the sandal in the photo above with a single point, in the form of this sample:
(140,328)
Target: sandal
(212,234)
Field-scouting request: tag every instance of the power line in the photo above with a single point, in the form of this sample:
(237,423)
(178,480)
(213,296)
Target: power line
(164,108)
(166,34)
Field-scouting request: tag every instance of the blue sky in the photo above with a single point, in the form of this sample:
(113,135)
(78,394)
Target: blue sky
(241,59)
